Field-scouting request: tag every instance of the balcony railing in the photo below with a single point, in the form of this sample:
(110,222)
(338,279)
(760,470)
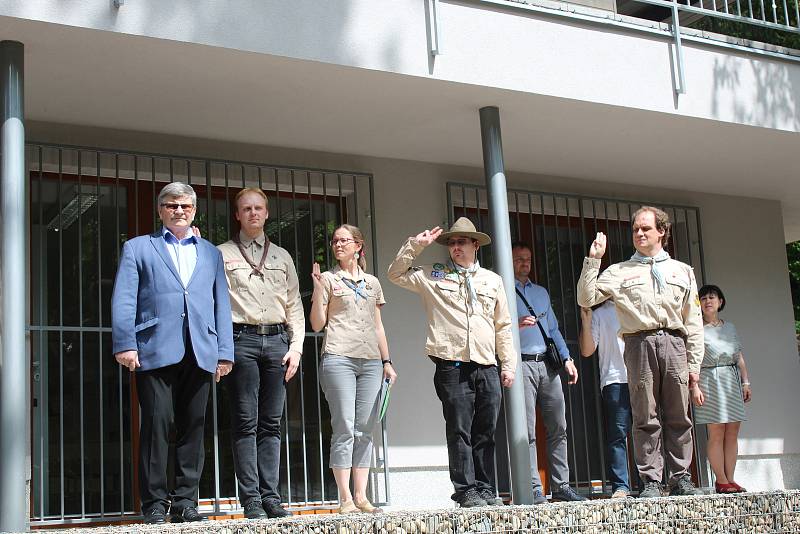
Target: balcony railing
(771,22)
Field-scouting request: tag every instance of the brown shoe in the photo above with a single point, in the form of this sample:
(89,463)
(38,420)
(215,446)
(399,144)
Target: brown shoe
(367,507)
(348,507)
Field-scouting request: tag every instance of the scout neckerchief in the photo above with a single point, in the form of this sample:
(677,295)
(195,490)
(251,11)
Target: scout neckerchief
(359,289)
(468,272)
(654,261)
(256,268)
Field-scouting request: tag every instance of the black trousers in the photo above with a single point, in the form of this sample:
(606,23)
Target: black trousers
(176,393)
(470,395)
(257,393)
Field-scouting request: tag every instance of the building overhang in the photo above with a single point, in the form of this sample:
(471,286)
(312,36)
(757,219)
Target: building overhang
(126,82)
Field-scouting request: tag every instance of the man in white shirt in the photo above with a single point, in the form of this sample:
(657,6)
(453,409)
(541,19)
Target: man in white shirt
(599,331)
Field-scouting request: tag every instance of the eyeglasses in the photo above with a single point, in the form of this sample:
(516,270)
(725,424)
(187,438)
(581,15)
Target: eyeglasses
(458,242)
(343,241)
(173,206)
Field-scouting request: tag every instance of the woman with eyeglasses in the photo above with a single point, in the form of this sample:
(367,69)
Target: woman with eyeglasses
(355,361)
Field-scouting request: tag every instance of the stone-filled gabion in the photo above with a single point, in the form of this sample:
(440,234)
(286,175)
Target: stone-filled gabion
(776,512)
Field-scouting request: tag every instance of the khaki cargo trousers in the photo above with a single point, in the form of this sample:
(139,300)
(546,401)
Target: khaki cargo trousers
(658,380)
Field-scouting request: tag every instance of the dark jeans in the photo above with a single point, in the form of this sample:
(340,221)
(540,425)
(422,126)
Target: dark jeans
(617,411)
(177,392)
(470,395)
(257,393)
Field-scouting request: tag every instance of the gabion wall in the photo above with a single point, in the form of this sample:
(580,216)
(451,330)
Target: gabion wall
(775,512)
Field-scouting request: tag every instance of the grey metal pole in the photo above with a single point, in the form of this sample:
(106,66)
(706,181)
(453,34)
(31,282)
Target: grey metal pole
(14,409)
(516,425)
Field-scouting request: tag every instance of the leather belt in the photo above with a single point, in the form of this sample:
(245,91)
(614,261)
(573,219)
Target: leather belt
(538,357)
(260,329)
(656,332)
(441,362)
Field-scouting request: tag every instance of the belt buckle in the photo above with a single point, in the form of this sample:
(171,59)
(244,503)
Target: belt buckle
(263,329)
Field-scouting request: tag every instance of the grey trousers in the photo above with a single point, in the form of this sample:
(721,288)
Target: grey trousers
(352,387)
(658,377)
(542,384)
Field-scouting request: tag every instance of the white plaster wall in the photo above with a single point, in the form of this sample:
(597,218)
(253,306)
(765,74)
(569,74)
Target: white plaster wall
(744,254)
(482,44)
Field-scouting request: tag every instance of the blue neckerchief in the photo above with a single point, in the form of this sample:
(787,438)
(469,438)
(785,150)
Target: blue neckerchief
(359,289)
(654,261)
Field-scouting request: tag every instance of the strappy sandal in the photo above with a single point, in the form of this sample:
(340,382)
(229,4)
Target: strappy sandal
(367,507)
(739,489)
(348,507)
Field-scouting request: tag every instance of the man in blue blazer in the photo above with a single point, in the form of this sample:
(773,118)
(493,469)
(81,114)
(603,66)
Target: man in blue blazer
(171,324)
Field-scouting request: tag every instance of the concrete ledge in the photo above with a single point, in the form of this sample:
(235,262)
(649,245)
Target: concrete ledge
(752,512)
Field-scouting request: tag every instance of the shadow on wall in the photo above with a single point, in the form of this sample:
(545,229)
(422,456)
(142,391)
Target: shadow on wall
(776,90)
(323,31)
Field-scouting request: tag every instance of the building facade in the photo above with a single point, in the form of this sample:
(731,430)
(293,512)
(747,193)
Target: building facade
(367,112)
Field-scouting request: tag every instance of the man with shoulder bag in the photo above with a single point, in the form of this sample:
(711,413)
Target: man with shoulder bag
(544,354)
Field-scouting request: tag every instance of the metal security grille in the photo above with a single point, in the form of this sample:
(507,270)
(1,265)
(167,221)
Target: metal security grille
(84,203)
(560,227)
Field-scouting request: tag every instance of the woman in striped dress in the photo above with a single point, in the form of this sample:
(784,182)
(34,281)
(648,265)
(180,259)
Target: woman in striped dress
(726,387)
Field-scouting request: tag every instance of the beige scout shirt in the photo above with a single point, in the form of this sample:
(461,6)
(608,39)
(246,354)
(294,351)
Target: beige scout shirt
(350,330)
(455,330)
(271,299)
(630,284)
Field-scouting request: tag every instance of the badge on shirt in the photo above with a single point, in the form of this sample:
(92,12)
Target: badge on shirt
(438,267)
(437,275)
(452,277)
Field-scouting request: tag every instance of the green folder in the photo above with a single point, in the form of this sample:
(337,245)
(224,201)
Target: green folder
(386,390)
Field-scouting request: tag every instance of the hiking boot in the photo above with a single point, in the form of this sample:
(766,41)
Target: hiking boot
(651,489)
(490,497)
(155,516)
(684,487)
(566,493)
(470,499)
(186,515)
(254,510)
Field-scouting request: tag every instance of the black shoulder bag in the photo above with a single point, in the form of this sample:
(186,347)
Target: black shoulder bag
(553,358)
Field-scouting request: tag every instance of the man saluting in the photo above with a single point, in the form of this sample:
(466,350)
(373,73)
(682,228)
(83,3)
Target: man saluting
(660,321)
(468,324)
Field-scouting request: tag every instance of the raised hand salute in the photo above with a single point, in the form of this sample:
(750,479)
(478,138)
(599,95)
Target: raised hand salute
(428,236)
(598,246)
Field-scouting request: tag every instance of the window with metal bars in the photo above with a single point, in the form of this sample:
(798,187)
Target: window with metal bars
(84,203)
(560,228)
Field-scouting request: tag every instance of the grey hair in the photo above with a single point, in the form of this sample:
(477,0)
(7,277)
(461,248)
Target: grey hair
(177,189)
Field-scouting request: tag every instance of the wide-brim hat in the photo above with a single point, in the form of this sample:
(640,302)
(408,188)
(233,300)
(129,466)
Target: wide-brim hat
(464,227)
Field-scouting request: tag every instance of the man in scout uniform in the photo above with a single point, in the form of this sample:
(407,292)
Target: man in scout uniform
(535,317)
(268,333)
(468,324)
(661,323)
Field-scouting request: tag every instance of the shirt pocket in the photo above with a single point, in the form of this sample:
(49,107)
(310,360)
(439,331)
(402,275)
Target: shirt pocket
(448,291)
(238,274)
(632,290)
(275,276)
(678,287)
(487,297)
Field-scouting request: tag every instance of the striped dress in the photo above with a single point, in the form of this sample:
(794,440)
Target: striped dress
(719,377)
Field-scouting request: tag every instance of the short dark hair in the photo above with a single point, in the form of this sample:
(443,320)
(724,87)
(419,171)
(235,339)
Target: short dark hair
(522,244)
(710,289)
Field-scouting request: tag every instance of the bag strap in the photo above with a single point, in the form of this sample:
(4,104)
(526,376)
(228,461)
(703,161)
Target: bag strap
(532,312)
